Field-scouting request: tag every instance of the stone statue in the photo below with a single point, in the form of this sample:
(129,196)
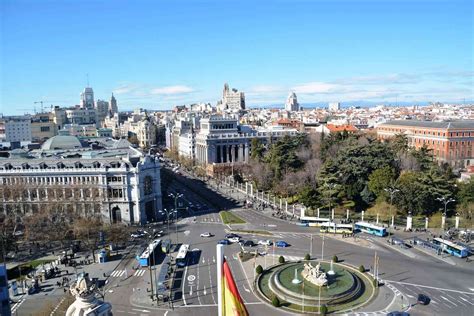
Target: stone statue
(86,302)
(314,274)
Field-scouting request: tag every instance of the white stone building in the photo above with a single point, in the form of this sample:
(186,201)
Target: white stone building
(15,128)
(118,183)
(292,104)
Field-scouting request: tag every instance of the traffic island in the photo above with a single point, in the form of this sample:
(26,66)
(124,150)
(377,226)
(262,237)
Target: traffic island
(314,286)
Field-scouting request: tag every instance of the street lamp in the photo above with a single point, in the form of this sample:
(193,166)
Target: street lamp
(392,192)
(445,201)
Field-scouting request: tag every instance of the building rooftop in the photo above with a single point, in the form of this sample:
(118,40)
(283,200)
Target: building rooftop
(430,124)
(61,143)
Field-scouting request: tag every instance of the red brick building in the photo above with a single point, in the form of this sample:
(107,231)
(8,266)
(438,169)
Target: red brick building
(450,141)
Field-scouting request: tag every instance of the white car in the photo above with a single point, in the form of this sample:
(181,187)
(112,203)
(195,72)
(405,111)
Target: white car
(234,239)
(265,242)
(206,234)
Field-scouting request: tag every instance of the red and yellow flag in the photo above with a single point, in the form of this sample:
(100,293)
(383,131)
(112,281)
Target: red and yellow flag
(232,303)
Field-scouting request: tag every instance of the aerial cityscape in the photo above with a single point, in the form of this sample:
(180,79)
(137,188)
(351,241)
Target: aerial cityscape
(236,158)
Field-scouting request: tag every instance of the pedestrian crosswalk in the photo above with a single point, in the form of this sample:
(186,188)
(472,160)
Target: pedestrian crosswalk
(124,273)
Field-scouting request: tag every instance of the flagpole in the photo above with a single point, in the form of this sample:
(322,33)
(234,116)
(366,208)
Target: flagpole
(220,263)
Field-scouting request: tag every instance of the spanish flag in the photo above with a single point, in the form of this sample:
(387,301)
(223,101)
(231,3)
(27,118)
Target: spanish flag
(232,304)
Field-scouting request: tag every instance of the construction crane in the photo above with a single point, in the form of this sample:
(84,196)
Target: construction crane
(41,102)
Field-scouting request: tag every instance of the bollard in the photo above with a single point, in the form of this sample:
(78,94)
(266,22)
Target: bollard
(456,225)
(347,214)
(363,216)
(426,223)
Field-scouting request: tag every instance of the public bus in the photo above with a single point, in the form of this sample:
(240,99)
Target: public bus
(313,221)
(182,257)
(165,246)
(370,229)
(336,228)
(148,255)
(451,248)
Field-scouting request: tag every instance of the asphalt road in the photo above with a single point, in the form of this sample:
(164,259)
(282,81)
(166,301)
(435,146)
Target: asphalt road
(451,288)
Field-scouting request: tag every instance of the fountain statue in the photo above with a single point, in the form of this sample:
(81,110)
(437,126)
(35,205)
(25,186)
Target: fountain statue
(86,302)
(314,274)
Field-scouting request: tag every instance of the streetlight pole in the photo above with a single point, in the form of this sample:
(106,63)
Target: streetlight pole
(445,201)
(392,192)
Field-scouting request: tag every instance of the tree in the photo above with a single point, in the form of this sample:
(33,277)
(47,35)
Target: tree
(281,259)
(361,268)
(323,309)
(257,149)
(307,257)
(335,259)
(380,179)
(259,269)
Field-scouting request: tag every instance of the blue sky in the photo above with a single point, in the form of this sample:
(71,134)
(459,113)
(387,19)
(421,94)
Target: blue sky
(156,54)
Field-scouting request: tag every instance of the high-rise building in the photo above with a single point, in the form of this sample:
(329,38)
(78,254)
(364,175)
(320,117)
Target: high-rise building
(113,105)
(232,99)
(291,104)
(102,109)
(334,106)
(87,98)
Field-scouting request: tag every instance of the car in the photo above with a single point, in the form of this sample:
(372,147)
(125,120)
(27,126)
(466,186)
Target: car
(231,235)
(234,239)
(396,313)
(267,242)
(206,234)
(138,234)
(423,299)
(282,244)
(248,243)
(223,242)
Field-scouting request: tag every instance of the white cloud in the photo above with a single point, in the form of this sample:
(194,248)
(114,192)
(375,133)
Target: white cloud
(315,88)
(125,88)
(178,89)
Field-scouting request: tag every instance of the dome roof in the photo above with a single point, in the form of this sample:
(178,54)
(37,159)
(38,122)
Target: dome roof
(61,142)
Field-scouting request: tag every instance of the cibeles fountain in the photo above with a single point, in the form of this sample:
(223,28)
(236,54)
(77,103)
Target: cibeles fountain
(314,274)
(86,302)
(313,283)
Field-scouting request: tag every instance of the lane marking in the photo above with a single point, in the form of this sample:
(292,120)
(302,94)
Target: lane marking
(430,287)
(182,289)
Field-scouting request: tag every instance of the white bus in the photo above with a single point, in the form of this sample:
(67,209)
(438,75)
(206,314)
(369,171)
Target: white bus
(182,257)
(336,228)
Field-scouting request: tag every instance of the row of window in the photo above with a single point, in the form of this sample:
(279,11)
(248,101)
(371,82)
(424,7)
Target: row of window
(51,180)
(433,133)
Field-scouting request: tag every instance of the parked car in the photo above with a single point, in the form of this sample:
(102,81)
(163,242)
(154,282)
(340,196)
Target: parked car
(138,234)
(206,234)
(234,239)
(267,242)
(282,244)
(423,299)
(223,242)
(248,243)
(396,313)
(231,235)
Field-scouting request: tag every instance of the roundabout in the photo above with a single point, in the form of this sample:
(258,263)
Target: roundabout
(306,286)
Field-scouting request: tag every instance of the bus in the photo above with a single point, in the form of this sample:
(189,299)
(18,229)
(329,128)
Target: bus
(165,246)
(370,229)
(451,248)
(336,228)
(313,221)
(148,255)
(182,257)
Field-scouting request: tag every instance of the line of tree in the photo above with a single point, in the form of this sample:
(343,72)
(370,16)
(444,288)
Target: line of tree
(354,170)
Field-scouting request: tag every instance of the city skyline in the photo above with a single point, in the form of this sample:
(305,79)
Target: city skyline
(159,55)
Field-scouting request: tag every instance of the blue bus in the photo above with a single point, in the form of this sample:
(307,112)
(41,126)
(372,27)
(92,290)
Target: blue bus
(370,229)
(451,248)
(148,255)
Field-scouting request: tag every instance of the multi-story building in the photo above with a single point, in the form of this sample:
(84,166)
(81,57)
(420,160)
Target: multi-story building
(102,110)
(43,127)
(87,98)
(84,130)
(118,182)
(450,141)
(113,108)
(334,106)
(15,128)
(221,142)
(291,104)
(232,99)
